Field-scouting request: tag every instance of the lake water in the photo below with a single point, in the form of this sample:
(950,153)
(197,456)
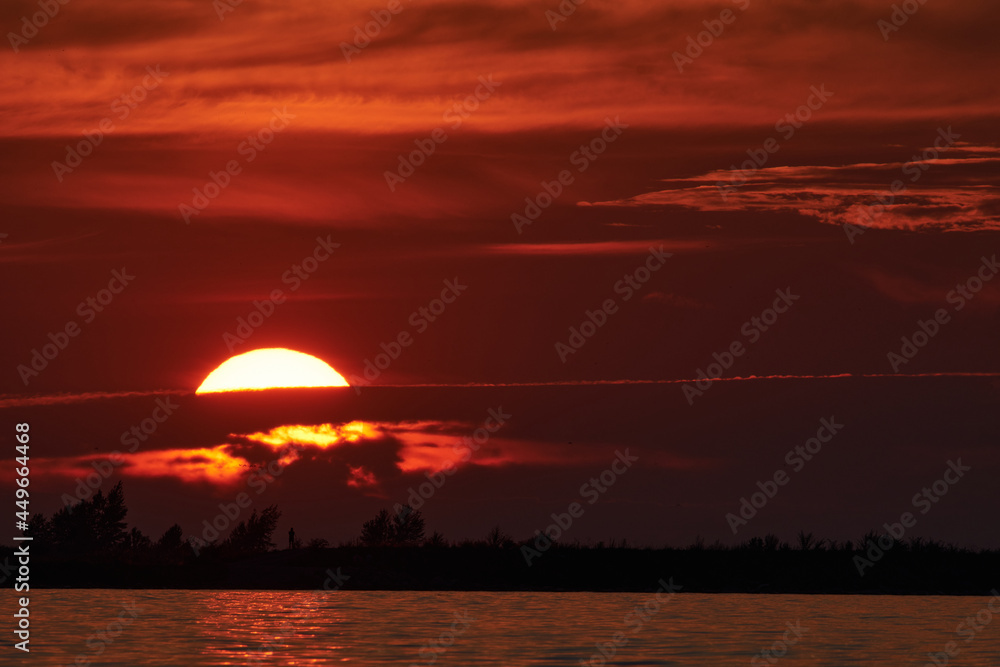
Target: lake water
(116,627)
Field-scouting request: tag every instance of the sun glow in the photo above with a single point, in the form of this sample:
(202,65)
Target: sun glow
(322,435)
(271,368)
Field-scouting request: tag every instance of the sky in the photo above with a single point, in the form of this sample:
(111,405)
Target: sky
(613,199)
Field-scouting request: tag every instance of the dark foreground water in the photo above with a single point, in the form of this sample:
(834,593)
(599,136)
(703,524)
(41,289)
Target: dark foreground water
(116,627)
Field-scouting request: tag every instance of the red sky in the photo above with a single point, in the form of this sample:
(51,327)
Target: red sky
(343,125)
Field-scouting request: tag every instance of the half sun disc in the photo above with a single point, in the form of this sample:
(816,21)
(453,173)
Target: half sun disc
(271,368)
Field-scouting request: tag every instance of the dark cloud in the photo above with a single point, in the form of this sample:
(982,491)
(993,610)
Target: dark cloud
(892,444)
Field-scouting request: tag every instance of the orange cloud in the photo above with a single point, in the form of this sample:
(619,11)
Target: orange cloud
(361,477)
(214,465)
(322,436)
(426,445)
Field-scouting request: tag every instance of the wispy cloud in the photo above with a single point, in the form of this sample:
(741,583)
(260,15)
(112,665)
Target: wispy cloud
(228,73)
(595,248)
(953,193)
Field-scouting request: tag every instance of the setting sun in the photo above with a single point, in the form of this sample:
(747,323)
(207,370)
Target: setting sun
(271,368)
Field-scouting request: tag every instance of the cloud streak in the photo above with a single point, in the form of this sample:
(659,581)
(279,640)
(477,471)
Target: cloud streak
(952,193)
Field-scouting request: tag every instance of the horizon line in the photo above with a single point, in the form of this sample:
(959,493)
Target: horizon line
(9,401)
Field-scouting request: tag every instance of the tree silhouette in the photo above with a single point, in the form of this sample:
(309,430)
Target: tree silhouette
(74,529)
(254,534)
(377,531)
(771,542)
(436,540)
(408,527)
(110,516)
(91,526)
(171,540)
(171,548)
(405,528)
(40,530)
(498,539)
(136,541)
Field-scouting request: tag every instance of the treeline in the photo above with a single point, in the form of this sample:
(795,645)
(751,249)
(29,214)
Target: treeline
(96,527)
(90,544)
